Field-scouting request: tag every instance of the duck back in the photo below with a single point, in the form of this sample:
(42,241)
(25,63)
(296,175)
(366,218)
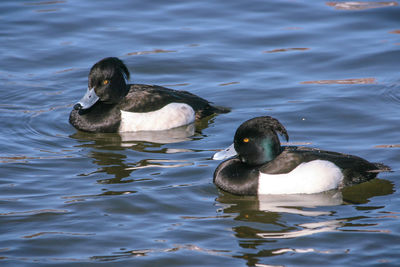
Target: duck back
(354,169)
(146,98)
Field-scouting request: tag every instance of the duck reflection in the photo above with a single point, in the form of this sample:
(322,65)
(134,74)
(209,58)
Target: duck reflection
(261,219)
(268,208)
(120,141)
(108,150)
(174,135)
(249,208)
(298,203)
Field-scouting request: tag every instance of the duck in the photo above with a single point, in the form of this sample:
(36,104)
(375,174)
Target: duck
(258,164)
(111,104)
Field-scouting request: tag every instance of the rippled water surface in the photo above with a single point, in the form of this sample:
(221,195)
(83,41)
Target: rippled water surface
(329,71)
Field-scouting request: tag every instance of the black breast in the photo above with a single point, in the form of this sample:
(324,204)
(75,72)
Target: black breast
(236,178)
(101,118)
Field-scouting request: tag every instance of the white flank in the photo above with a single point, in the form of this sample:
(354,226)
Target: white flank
(170,116)
(307,178)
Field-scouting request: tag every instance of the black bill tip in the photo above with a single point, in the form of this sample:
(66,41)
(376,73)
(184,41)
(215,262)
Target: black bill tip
(78,106)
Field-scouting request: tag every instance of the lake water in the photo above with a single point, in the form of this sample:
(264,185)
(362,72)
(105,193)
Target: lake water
(329,71)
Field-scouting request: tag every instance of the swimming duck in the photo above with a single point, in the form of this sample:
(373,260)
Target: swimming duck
(112,105)
(263,166)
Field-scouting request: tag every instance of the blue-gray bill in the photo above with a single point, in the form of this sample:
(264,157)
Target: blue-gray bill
(88,100)
(226,153)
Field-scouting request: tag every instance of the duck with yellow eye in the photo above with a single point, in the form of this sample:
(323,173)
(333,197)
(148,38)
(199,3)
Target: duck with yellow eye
(260,165)
(112,105)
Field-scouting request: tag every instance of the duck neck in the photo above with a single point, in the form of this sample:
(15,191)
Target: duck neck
(269,149)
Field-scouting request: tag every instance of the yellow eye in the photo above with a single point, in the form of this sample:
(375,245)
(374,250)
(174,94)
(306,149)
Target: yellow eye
(105,82)
(246,140)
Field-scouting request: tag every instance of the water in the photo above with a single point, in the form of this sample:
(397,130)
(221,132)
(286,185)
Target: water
(327,70)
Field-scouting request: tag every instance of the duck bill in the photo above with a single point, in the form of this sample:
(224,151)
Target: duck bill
(88,100)
(226,153)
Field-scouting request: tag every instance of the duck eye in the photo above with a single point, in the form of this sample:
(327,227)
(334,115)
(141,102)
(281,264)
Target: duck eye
(105,82)
(246,140)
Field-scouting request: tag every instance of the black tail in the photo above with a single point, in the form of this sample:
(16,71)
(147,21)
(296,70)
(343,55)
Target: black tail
(380,167)
(220,109)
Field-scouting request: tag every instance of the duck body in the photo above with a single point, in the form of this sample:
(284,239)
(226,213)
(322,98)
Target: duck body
(291,169)
(112,105)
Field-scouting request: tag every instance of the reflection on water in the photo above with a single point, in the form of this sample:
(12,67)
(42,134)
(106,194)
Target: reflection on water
(287,49)
(120,142)
(361,193)
(307,229)
(306,204)
(32,212)
(79,198)
(355,5)
(229,83)
(106,150)
(161,164)
(387,146)
(269,218)
(148,252)
(40,3)
(344,81)
(155,51)
(35,235)
(120,167)
(297,204)
(175,135)
(306,250)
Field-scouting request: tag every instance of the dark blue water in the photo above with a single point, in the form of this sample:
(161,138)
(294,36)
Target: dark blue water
(329,71)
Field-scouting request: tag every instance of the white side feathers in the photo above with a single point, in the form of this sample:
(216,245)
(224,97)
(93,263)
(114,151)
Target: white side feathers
(307,178)
(170,116)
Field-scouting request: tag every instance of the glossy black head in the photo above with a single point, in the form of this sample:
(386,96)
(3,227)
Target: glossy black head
(107,83)
(256,140)
(108,77)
